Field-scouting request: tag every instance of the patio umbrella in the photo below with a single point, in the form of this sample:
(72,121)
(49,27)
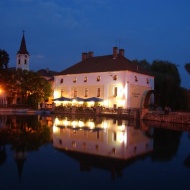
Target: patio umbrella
(94,99)
(78,99)
(62,99)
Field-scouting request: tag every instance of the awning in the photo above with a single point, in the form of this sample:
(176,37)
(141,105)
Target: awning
(78,99)
(62,99)
(93,99)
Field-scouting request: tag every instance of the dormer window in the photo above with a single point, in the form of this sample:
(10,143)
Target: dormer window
(75,79)
(136,80)
(61,81)
(98,78)
(85,79)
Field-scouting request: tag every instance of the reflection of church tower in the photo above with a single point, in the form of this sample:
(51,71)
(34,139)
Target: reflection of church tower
(20,157)
(22,58)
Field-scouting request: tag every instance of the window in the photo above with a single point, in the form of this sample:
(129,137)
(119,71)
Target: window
(98,92)
(75,79)
(61,81)
(98,78)
(147,81)
(19,61)
(75,93)
(86,92)
(85,79)
(115,77)
(25,61)
(136,79)
(62,92)
(115,92)
(113,150)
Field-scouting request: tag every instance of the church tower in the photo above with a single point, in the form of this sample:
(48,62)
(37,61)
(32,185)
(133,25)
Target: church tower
(22,57)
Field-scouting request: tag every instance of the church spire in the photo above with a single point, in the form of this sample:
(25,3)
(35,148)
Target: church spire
(23,49)
(22,57)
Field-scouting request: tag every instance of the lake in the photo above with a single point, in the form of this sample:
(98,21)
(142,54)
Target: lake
(48,152)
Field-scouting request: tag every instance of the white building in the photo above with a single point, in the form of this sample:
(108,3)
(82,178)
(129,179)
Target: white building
(113,78)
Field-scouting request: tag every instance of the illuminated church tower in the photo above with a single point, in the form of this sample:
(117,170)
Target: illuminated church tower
(22,57)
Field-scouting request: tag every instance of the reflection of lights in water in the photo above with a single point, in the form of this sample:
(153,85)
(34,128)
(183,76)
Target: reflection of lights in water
(91,124)
(121,137)
(56,122)
(81,124)
(105,125)
(65,123)
(74,124)
(55,129)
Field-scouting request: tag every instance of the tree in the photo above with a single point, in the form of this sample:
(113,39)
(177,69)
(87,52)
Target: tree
(29,86)
(167,83)
(187,67)
(4,59)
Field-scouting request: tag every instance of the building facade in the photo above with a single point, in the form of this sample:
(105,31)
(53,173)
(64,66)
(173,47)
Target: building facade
(113,78)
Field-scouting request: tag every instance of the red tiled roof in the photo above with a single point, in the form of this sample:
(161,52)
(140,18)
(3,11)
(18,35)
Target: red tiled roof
(23,49)
(103,64)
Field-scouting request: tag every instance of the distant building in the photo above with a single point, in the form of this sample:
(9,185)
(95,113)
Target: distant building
(113,78)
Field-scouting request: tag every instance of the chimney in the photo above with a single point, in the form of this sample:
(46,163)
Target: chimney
(114,52)
(84,56)
(90,54)
(121,52)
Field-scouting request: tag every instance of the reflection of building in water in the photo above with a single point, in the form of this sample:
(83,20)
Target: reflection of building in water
(114,139)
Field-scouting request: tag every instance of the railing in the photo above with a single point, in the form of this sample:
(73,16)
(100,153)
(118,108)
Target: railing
(92,110)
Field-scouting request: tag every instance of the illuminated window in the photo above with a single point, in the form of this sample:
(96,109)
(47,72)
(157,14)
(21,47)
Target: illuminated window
(61,81)
(98,92)
(85,79)
(136,79)
(75,79)
(86,92)
(98,78)
(115,92)
(75,93)
(115,77)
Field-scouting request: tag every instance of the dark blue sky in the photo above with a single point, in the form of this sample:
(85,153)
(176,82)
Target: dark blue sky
(58,31)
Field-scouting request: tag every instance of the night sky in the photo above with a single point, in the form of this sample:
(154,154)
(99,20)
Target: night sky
(58,31)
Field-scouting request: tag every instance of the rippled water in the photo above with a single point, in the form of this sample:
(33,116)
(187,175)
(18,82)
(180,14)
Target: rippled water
(91,153)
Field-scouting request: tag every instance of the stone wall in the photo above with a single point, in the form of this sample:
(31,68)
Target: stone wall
(172,117)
